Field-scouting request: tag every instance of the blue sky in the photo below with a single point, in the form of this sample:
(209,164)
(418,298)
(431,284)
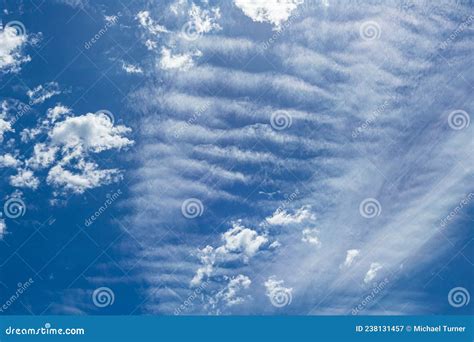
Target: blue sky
(244,157)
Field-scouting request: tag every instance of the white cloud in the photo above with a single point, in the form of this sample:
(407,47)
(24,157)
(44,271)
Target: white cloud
(241,240)
(131,69)
(3,228)
(274,286)
(282,217)
(272,11)
(87,177)
(350,257)
(372,272)
(11,44)
(68,151)
(5,126)
(311,236)
(239,243)
(148,23)
(24,179)
(5,123)
(204,20)
(43,92)
(90,132)
(231,293)
(43,156)
(178,61)
(53,114)
(8,160)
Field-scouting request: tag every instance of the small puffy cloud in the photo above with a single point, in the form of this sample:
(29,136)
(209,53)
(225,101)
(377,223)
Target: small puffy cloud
(53,114)
(3,228)
(372,272)
(24,179)
(11,45)
(87,177)
(43,92)
(282,217)
(276,291)
(239,243)
(178,61)
(241,240)
(149,24)
(90,132)
(310,235)
(275,12)
(350,257)
(204,20)
(8,160)
(43,156)
(131,69)
(5,123)
(231,294)
(67,152)
(208,258)
(5,126)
